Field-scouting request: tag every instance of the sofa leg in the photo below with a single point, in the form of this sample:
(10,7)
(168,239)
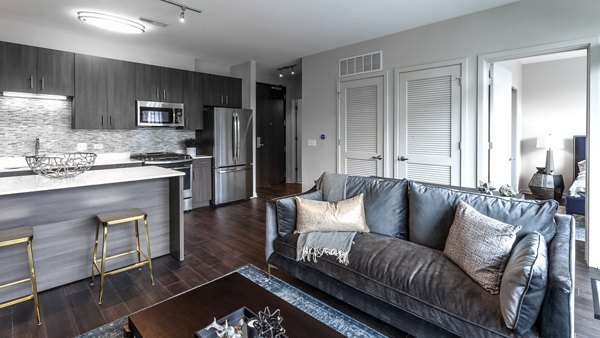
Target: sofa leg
(269,266)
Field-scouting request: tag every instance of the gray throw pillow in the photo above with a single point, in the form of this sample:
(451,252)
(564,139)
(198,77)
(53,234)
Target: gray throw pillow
(286,211)
(524,283)
(386,203)
(480,246)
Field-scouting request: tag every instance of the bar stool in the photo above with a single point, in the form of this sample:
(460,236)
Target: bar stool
(15,236)
(117,217)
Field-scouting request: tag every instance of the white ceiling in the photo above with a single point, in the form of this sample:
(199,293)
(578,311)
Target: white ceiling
(229,32)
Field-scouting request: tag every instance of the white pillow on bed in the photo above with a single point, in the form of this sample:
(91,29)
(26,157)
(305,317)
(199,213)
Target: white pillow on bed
(582,166)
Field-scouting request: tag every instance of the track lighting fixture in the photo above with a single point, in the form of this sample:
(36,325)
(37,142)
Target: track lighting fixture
(290,67)
(183,9)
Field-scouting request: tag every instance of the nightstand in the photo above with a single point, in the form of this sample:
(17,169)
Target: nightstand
(546,186)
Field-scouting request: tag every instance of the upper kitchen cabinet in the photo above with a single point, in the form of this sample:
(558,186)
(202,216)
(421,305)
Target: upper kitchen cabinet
(155,83)
(56,72)
(90,101)
(120,84)
(104,93)
(192,100)
(222,91)
(36,70)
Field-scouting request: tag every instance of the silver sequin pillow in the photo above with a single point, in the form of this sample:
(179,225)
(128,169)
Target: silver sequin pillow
(345,215)
(480,246)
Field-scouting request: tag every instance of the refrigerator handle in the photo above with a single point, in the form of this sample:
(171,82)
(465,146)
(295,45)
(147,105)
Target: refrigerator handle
(237,124)
(234,138)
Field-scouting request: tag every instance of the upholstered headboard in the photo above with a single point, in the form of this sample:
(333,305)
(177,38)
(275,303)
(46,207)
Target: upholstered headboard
(578,152)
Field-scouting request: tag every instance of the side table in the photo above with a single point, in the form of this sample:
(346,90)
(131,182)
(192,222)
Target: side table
(546,186)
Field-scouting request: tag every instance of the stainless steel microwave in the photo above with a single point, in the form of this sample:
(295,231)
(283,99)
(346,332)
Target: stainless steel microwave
(160,114)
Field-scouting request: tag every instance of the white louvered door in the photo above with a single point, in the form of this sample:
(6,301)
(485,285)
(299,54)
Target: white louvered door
(428,125)
(361,127)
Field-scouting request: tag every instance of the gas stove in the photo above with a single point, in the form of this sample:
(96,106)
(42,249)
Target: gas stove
(175,161)
(162,158)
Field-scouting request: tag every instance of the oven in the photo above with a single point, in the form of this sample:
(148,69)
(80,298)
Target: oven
(179,162)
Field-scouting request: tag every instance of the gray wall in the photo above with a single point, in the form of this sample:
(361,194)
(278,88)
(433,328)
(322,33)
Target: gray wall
(554,101)
(22,120)
(518,25)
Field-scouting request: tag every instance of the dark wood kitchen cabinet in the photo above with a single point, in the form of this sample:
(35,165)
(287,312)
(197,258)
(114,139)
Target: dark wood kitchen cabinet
(104,93)
(192,100)
(201,182)
(36,70)
(120,84)
(89,103)
(155,83)
(222,91)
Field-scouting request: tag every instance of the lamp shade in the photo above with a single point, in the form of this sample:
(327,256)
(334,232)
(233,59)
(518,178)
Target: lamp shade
(546,141)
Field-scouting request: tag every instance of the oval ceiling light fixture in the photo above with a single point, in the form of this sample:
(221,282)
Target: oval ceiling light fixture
(111,22)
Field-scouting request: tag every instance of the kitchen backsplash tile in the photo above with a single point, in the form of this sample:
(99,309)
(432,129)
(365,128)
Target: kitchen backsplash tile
(22,120)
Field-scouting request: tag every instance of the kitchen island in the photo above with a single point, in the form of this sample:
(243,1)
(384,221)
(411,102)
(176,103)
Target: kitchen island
(62,213)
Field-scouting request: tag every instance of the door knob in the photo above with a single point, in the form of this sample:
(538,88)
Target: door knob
(378,157)
(402,158)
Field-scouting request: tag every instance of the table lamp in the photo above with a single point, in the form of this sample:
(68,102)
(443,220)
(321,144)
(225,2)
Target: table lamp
(546,141)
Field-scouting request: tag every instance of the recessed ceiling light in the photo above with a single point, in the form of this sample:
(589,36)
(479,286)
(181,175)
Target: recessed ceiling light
(111,22)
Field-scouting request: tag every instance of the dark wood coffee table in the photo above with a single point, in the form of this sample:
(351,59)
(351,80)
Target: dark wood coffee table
(184,314)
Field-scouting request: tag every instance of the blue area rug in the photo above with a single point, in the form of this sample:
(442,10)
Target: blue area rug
(337,320)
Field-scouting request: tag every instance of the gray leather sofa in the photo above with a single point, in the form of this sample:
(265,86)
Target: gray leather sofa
(399,274)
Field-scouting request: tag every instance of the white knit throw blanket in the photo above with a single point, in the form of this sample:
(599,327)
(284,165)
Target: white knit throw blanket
(316,244)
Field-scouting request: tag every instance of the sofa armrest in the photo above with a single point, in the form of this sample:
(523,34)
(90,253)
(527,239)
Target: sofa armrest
(558,310)
(271,223)
(271,228)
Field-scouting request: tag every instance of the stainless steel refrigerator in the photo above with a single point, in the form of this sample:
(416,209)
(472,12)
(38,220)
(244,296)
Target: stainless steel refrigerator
(227,136)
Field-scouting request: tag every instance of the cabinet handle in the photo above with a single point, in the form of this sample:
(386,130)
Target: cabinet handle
(31,82)
(221,99)
(165,94)
(102,120)
(226,99)
(157,94)
(42,83)
(110,121)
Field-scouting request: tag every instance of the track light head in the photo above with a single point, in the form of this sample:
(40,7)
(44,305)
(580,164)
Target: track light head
(280,74)
(182,15)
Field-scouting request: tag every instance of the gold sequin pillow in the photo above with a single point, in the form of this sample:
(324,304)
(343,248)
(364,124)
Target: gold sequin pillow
(480,246)
(344,215)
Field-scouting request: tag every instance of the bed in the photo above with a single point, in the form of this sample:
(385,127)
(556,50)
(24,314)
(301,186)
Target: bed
(575,200)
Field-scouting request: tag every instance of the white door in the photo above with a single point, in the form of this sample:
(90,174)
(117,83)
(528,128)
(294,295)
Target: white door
(501,134)
(361,127)
(428,125)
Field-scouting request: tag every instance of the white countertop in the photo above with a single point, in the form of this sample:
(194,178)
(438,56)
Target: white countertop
(34,183)
(17,163)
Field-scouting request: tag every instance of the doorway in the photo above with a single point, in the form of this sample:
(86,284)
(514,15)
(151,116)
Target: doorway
(270,134)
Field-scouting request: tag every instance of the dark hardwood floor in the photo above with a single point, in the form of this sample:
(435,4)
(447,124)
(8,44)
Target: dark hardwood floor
(218,241)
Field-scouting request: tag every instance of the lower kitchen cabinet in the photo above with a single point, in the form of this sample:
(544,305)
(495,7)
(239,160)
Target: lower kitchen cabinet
(201,182)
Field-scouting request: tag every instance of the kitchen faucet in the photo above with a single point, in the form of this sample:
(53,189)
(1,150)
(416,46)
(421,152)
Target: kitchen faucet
(37,146)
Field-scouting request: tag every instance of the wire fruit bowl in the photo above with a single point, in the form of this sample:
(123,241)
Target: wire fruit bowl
(62,165)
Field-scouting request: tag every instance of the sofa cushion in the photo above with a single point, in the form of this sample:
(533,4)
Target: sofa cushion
(386,203)
(480,246)
(524,283)
(320,216)
(431,213)
(416,279)
(286,211)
